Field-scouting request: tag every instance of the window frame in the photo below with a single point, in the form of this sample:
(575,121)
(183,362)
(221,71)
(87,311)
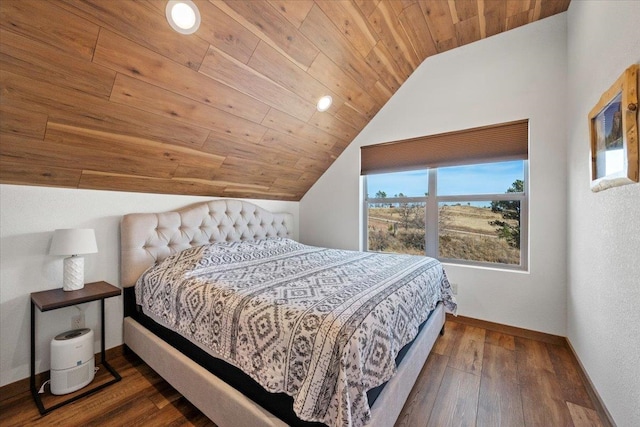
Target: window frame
(432,239)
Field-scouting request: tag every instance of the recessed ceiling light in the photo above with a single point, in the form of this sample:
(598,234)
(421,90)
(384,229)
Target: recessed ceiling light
(324,103)
(183,16)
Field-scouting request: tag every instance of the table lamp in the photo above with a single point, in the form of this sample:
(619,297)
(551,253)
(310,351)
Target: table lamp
(74,241)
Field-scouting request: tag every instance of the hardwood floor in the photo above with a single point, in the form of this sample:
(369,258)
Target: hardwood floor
(474,376)
(482,377)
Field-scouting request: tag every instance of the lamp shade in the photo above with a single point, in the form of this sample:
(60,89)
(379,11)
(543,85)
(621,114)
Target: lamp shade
(73,241)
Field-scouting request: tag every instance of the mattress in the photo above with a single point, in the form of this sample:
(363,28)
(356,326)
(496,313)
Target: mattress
(322,326)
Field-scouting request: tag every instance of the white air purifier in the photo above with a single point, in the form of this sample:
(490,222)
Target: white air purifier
(72,361)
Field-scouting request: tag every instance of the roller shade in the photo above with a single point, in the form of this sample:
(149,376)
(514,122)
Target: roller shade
(503,142)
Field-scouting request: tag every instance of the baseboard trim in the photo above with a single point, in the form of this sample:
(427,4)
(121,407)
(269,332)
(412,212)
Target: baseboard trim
(600,407)
(9,391)
(510,330)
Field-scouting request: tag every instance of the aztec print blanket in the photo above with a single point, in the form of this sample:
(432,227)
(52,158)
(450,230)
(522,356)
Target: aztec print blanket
(322,325)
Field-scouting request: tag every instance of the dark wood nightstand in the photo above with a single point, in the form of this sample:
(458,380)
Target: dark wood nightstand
(57,298)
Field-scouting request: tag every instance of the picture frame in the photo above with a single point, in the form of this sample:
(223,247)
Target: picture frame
(613,129)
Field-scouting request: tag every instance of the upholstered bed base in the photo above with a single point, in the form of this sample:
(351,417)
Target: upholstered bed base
(220,402)
(226,406)
(149,238)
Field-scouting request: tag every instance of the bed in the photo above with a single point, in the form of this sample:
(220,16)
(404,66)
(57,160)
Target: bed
(232,266)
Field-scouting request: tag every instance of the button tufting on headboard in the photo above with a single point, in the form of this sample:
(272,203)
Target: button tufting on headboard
(149,238)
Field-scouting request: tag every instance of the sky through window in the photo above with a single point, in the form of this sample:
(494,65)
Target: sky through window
(488,178)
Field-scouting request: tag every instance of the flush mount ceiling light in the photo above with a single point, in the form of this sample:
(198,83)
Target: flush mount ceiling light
(183,16)
(324,103)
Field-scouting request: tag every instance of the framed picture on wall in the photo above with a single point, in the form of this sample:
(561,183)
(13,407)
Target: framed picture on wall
(613,128)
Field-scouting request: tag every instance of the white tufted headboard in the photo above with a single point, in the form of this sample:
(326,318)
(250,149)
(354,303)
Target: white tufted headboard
(148,238)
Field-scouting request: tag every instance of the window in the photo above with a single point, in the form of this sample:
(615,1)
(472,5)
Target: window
(467,213)
(464,218)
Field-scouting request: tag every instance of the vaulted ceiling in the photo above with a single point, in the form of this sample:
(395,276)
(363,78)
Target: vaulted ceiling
(103,94)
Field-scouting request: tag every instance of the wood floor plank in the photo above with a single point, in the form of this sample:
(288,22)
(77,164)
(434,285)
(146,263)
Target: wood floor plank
(179,413)
(541,382)
(501,339)
(131,410)
(541,391)
(164,395)
(583,417)
(542,398)
(457,400)
(467,353)
(18,411)
(444,344)
(532,355)
(499,363)
(499,403)
(420,402)
(573,390)
(541,410)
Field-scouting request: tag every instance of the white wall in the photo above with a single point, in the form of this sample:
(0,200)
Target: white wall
(515,75)
(28,216)
(603,314)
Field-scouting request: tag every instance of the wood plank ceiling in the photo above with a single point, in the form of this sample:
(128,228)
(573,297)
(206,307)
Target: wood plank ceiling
(103,94)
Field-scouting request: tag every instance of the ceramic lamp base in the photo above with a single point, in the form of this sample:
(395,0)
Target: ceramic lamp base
(73,275)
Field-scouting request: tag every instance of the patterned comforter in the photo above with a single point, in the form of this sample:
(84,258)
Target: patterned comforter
(321,325)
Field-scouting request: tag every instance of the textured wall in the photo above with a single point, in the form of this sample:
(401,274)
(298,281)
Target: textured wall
(27,220)
(603,313)
(515,75)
